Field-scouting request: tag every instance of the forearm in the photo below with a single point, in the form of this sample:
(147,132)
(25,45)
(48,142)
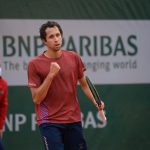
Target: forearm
(40,93)
(89,94)
(87,90)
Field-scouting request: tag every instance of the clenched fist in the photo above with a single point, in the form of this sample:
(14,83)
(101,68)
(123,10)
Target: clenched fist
(54,69)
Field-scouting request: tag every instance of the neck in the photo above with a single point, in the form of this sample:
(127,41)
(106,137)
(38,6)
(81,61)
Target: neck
(53,54)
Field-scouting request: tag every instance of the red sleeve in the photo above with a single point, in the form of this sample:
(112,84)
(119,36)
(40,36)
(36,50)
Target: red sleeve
(3,103)
(81,67)
(33,77)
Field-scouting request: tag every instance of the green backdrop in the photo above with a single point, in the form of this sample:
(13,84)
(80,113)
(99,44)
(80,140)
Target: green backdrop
(127,106)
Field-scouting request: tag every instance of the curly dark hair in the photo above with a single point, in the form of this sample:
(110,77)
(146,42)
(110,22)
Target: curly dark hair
(49,24)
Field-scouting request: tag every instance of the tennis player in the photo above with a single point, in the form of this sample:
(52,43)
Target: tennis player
(52,78)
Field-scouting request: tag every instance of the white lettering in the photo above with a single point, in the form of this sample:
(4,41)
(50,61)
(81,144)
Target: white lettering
(20,119)
(33,122)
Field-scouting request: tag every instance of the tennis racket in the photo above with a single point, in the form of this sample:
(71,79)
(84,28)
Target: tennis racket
(97,98)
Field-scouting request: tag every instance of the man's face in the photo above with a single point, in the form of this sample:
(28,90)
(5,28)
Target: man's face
(53,38)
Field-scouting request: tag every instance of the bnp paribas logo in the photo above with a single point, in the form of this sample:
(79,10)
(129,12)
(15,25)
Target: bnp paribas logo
(103,45)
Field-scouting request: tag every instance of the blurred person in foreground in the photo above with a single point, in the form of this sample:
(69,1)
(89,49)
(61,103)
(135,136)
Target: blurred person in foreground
(3,105)
(52,78)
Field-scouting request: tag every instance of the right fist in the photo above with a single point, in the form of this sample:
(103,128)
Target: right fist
(54,68)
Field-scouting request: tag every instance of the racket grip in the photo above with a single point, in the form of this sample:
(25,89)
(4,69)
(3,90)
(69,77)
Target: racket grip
(102,116)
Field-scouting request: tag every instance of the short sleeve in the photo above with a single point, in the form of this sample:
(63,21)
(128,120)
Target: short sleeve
(81,67)
(33,77)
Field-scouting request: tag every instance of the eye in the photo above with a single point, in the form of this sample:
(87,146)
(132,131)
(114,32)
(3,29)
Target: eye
(58,34)
(51,36)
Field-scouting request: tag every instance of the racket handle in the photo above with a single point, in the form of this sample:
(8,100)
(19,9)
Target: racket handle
(102,116)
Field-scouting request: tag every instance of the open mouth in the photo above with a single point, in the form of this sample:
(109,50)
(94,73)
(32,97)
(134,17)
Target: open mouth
(57,45)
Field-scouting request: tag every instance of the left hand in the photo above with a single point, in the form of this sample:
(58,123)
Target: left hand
(101,106)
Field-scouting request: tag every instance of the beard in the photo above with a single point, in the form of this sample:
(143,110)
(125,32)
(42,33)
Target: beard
(56,48)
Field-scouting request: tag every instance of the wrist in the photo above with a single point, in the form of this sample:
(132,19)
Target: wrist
(51,76)
(101,106)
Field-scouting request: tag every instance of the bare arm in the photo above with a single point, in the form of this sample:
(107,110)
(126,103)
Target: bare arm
(38,94)
(88,92)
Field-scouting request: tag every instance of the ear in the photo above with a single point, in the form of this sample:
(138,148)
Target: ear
(63,41)
(44,41)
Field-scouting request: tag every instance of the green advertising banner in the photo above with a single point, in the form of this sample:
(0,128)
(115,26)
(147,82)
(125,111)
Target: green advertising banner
(127,110)
(103,32)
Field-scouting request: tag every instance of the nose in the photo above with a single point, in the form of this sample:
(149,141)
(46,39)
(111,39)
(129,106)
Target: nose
(56,38)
